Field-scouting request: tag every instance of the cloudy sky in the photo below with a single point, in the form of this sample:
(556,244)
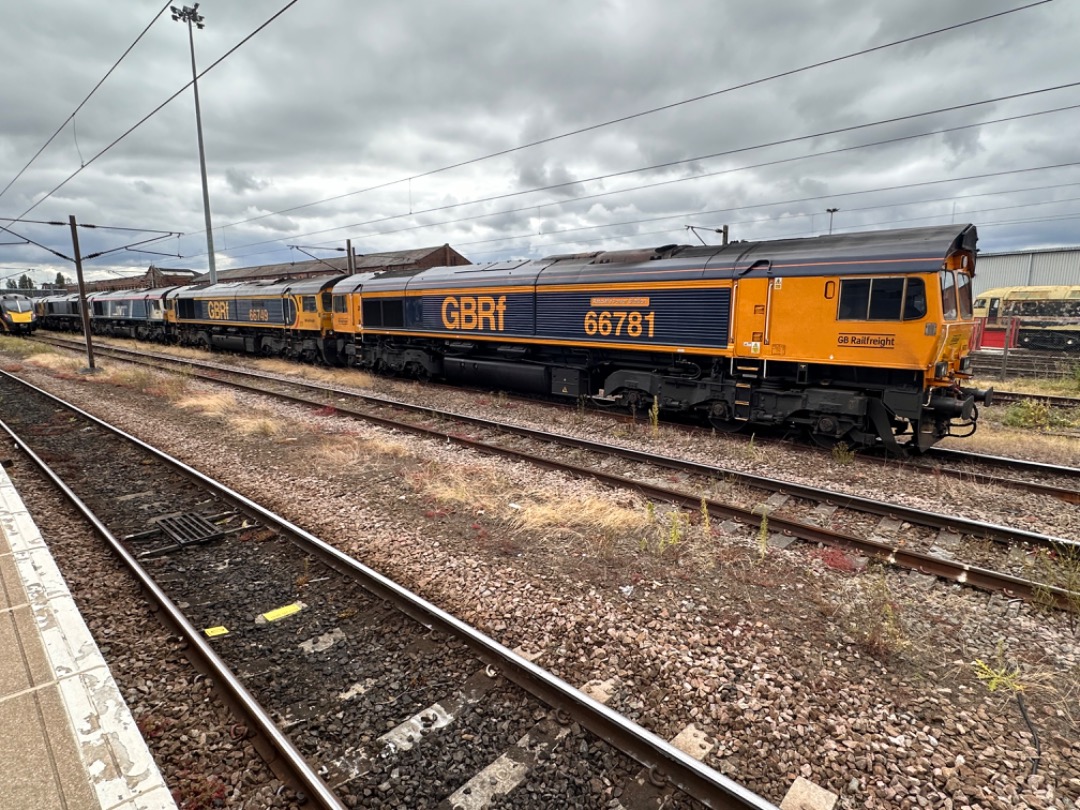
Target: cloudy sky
(345,120)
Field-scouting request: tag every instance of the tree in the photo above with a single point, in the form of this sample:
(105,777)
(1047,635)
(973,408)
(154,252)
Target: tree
(61,281)
(25,282)
(11,285)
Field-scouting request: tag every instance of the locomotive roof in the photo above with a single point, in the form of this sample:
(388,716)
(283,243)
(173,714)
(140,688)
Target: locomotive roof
(135,295)
(910,250)
(871,252)
(277,286)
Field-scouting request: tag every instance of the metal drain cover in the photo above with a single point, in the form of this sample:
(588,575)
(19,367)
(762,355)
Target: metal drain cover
(189,528)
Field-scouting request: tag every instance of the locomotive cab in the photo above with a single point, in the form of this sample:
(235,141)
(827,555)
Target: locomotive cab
(17,315)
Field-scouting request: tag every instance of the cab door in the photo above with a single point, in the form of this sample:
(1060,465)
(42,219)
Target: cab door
(751,316)
(752,296)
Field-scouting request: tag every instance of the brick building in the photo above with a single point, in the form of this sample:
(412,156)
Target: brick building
(441,256)
(153,278)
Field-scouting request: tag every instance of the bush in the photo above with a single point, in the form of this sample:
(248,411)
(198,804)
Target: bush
(1029,413)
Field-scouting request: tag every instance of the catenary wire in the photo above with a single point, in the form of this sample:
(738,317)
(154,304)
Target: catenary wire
(818,197)
(108,73)
(675,181)
(563,135)
(537,206)
(789,217)
(689,214)
(643,113)
(161,106)
(793,235)
(551,138)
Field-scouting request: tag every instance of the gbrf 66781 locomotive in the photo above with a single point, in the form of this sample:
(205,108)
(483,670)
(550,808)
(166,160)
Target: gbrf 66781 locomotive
(856,337)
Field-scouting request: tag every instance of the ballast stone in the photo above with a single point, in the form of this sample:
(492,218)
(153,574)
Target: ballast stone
(805,795)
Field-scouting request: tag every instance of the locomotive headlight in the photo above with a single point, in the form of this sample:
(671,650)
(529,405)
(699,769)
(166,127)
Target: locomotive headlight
(965,365)
(941,370)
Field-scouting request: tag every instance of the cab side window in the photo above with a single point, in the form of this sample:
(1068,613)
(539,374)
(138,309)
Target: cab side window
(886,299)
(854,299)
(948,295)
(881,299)
(307,302)
(339,304)
(915,299)
(963,294)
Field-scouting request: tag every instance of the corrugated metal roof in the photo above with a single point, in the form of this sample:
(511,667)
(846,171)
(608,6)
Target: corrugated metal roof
(1062,249)
(1030,268)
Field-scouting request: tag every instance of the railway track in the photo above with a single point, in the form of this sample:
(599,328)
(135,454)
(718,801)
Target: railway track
(1023,363)
(1059,471)
(1056,481)
(916,539)
(366,691)
(1010,397)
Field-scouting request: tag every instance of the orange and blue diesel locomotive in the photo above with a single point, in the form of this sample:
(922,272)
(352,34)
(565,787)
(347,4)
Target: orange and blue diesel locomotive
(17,314)
(857,337)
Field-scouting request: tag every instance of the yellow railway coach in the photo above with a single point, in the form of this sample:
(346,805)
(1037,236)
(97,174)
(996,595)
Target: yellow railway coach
(855,337)
(1045,318)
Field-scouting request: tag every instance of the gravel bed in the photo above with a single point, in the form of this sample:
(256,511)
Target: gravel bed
(767,653)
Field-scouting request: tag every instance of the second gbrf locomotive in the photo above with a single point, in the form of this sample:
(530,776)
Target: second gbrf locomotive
(857,337)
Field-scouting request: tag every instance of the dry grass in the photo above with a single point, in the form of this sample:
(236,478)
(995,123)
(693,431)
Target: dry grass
(587,514)
(256,425)
(57,363)
(339,452)
(276,366)
(872,614)
(595,521)
(342,377)
(481,490)
(1019,444)
(170,387)
(1048,386)
(209,404)
(17,347)
(1039,677)
(139,378)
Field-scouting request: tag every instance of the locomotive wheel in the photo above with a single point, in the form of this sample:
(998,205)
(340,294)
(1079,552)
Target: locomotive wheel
(722,419)
(822,440)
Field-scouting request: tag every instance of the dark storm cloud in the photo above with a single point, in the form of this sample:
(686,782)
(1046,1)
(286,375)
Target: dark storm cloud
(336,97)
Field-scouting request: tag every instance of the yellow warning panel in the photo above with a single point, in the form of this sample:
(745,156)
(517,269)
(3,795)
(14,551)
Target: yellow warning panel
(282,612)
(216,631)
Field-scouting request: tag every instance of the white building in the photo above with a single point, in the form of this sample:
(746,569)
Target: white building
(1028,268)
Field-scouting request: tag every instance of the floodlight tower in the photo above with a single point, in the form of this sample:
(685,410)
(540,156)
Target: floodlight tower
(191,15)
